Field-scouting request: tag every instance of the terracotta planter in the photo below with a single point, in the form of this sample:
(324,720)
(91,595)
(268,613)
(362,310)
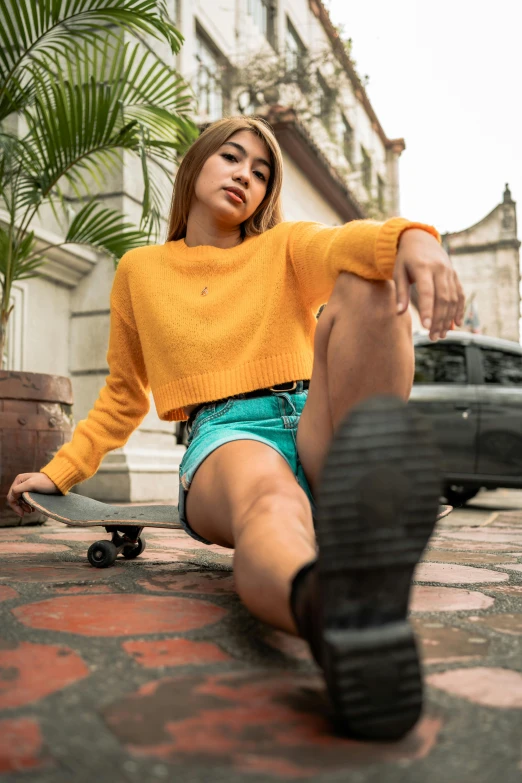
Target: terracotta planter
(35,420)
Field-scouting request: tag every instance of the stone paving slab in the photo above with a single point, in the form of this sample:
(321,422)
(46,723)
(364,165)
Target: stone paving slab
(153,670)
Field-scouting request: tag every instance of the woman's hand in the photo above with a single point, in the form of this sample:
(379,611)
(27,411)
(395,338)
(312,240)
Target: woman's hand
(25,482)
(422,261)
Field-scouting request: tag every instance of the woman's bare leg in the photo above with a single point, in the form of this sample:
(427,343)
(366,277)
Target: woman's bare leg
(372,466)
(376,509)
(245,496)
(362,348)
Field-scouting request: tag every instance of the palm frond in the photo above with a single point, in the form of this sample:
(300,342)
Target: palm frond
(17,157)
(87,99)
(159,182)
(34,30)
(104,229)
(16,253)
(77,130)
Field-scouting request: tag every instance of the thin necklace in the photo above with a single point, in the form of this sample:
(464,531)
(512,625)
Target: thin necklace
(205,290)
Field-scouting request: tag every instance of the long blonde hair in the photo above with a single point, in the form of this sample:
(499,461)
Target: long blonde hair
(267,215)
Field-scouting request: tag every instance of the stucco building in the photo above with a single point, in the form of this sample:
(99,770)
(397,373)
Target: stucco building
(282,59)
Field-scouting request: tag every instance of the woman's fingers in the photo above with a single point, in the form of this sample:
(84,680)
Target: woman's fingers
(440,307)
(441,299)
(14,496)
(454,304)
(459,318)
(422,261)
(402,288)
(451,305)
(426,296)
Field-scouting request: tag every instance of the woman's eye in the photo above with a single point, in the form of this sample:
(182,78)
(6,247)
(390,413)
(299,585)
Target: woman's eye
(232,158)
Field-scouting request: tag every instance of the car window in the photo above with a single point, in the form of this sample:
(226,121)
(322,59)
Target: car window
(440,363)
(501,367)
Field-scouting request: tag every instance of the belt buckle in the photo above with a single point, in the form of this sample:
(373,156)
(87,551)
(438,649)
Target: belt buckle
(294,386)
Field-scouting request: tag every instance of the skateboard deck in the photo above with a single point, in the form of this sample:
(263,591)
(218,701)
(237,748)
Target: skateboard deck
(79,511)
(125,523)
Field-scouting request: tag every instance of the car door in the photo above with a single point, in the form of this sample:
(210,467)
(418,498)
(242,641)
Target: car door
(500,399)
(444,391)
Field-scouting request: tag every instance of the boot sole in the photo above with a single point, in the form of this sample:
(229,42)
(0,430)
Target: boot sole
(376,510)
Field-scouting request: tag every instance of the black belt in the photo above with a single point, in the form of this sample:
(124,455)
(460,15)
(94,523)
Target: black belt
(288,387)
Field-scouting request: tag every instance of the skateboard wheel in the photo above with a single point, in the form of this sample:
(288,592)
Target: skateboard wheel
(102,554)
(130,552)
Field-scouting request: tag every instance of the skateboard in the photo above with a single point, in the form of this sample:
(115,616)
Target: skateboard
(125,523)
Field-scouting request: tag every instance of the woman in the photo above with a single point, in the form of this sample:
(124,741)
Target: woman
(220,323)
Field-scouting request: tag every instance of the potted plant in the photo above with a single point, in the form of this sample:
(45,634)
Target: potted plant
(76,92)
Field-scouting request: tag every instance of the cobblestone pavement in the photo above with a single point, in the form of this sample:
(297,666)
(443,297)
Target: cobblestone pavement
(152,670)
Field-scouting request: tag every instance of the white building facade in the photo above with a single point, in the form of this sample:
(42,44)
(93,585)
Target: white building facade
(249,56)
(339,166)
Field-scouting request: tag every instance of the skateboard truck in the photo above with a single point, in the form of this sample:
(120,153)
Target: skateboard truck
(128,543)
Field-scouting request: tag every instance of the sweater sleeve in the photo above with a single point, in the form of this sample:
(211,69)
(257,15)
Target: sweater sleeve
(364,247)
(121,406)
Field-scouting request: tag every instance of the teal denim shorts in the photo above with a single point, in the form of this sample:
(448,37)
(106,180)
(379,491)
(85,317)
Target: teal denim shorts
(272,420)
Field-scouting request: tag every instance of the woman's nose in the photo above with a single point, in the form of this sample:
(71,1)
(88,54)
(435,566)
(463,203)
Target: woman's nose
(242,177)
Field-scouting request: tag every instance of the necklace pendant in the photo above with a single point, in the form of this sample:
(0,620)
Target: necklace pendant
(204,292)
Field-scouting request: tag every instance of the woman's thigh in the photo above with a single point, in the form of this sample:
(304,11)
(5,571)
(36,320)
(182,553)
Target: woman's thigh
(232,480)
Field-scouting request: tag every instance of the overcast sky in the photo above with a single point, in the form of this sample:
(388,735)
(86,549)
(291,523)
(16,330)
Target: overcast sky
(447,77)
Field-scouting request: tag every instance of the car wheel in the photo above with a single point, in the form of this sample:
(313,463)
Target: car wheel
(457,495)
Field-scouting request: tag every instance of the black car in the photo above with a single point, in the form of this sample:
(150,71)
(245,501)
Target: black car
(470,386)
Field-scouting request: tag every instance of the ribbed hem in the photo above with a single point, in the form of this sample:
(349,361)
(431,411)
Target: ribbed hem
(63,474)
(171,398)
(388,241)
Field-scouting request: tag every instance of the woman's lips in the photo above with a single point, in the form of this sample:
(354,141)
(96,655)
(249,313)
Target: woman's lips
(237,199)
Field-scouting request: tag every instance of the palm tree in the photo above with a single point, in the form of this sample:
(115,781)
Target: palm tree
(76,93)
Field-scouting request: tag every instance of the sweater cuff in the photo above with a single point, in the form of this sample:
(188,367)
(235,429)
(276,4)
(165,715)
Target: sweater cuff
(388,242)
(63,474)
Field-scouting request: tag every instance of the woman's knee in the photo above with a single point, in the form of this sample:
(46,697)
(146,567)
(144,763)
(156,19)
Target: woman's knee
(362,292)
(371,300)
(280,501)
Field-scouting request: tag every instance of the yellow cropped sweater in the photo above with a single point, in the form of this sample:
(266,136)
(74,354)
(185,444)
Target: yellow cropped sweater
(197,324)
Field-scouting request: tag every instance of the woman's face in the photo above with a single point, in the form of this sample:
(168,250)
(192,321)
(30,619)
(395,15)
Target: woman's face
(233,181)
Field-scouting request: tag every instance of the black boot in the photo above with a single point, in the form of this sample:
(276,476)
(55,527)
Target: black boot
(377,507)
(306,607)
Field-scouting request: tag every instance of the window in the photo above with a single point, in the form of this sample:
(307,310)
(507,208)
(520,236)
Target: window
(294,47)
(501,367)
(326,100)
(347,132)
(381,201)
(440,364)
(262,12)
(366,169)
(209,80)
